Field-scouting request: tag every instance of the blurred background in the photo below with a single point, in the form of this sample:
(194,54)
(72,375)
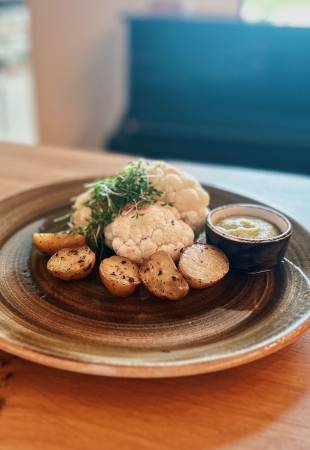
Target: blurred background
(224,81)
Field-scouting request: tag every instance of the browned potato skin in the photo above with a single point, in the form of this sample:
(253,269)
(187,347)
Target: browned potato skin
(203,265)
(72,263)
(119,275)
(50,243)
(161,277)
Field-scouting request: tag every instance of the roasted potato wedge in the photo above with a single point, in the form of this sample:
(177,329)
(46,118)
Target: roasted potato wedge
(50,243)
(72,263)
(161,277)
(119,275)
(203,265)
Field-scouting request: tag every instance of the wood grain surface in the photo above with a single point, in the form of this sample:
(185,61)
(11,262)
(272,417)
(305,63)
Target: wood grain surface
(262,405)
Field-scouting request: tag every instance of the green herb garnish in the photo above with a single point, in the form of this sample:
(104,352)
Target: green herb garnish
(109,196)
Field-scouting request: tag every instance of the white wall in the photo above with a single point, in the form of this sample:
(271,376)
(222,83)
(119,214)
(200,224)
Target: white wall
(17,108)
(79,52)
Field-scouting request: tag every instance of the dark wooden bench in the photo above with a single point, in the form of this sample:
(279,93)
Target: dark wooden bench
(218,91)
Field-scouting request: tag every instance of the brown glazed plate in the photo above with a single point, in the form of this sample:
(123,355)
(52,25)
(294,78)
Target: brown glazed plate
(80,327)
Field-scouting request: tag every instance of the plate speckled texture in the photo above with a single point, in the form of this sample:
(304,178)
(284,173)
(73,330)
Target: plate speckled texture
(79,326)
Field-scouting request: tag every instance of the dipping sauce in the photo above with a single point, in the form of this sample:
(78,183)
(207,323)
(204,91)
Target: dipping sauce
(247,227)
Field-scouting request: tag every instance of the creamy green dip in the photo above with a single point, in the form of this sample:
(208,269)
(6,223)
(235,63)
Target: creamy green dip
(247,227)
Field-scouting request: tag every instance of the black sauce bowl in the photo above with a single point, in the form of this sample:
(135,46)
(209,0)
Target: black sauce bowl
(250,255)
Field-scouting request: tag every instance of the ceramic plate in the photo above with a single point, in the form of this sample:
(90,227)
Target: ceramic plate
(79,326)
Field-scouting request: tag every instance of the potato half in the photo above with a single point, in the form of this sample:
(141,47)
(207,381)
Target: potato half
(72,263)
(203,265)
(119,275)
(160,275)
(50,243)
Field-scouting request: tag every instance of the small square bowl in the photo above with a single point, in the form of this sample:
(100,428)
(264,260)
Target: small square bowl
(250,255)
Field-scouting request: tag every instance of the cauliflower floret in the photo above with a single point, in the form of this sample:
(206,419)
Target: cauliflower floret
(185,192)
(156,228)
(81,214)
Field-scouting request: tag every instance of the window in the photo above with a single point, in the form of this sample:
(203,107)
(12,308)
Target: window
(295,13)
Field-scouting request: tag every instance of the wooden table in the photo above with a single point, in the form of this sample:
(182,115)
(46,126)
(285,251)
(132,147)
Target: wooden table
(264,405)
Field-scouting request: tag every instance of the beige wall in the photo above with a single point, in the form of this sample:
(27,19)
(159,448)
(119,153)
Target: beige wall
(79,54)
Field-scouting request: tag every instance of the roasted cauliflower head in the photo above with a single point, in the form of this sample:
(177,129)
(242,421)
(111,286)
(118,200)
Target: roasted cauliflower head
(155,228)
(169,224)
(178,188)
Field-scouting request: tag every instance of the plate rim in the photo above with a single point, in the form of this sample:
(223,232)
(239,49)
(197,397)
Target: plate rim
(161,370)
